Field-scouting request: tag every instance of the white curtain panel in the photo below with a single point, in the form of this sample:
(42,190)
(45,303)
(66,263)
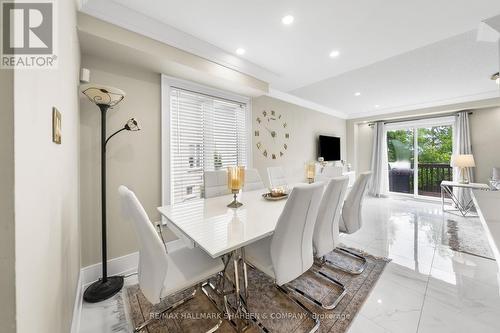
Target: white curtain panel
(379,183)
(462,145)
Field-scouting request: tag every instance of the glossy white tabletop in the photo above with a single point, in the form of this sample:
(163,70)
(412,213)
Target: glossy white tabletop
(218,229)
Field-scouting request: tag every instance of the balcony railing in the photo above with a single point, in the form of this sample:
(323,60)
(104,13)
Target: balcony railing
(430,176)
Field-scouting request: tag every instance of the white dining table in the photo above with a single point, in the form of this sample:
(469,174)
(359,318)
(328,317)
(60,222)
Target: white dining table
(217,229)
(221,231)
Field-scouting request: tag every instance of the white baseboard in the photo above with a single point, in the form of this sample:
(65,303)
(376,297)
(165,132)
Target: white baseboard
(116,266)
(77,307)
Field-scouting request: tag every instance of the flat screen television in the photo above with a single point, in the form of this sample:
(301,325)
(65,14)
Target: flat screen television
(329,148)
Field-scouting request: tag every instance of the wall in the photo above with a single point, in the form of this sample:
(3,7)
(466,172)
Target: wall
(133,158)
(304,126)
(7,230)
(46,187)
(485,136)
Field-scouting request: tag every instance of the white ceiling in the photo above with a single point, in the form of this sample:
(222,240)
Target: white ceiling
(454,70)
(366,32)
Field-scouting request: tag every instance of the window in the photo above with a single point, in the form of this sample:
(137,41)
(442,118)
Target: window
(419,155)
(206,133)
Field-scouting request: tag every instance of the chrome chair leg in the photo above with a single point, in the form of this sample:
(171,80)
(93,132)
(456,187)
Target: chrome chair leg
(317,302)
(172,307)
(311,315)
(350,253)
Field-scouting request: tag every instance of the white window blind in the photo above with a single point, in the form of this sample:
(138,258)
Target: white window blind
(207,133)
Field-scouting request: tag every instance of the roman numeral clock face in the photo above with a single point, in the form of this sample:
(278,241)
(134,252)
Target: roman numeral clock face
(271,134)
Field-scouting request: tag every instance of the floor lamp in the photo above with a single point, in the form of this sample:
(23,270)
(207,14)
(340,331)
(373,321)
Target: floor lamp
(105,98)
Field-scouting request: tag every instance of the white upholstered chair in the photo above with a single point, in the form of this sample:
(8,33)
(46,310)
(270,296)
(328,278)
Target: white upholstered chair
(276,176)
(215,183)
(165,269)
(351,218)
(288,253)
(326,229)
(252,180)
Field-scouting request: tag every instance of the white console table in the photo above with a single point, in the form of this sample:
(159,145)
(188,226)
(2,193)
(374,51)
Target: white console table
(339,171)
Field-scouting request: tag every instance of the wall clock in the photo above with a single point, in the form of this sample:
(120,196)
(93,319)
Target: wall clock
(271,134)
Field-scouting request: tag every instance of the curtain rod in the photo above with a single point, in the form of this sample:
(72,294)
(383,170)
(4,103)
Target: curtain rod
(402,120)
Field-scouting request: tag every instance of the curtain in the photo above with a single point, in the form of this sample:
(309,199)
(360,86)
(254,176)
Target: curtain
(380,178)
(462,145)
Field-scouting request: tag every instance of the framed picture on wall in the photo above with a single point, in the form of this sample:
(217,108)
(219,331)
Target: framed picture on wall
(56,126)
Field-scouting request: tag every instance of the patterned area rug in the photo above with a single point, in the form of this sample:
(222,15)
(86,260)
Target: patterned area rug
(467,236)
(274,310)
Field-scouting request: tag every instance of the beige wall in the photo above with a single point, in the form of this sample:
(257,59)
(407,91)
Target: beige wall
(133,158)
(7,230)
(485,137)
(304,126)
(47,245)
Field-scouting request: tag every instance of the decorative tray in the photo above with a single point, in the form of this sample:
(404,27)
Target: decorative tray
(269,197)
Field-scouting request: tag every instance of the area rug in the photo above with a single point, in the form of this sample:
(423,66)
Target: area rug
(467,236)
(276,312)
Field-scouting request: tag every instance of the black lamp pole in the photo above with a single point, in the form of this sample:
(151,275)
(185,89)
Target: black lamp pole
(107,286)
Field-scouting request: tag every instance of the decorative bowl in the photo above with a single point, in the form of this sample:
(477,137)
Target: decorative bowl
(273,197)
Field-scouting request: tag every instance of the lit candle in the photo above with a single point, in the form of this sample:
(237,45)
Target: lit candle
(310,171)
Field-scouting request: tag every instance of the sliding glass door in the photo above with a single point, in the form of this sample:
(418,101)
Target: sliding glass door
(434,153)
(419,156)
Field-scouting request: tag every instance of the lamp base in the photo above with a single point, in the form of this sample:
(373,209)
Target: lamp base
(235,203)
(464,179)
(100,290)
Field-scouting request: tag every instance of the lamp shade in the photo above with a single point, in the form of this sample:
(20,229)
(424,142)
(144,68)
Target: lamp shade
(462,161)
(103,95)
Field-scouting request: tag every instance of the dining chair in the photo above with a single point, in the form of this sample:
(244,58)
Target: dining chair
(276,176)
(351,219)
(252,180)
(326,229)
(165,268)
(215,183)
(288,253)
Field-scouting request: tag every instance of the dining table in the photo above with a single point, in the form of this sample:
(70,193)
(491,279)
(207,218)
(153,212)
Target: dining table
(223,232)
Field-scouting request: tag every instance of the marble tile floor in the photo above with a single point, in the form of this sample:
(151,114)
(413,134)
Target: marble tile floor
(427,287)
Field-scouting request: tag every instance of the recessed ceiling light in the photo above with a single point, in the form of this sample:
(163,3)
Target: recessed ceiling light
(377,106)
(357,94)
(334,54)
(240,51)
(287,19)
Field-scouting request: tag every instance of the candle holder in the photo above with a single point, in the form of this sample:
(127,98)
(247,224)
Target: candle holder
(310,172)
(235,180)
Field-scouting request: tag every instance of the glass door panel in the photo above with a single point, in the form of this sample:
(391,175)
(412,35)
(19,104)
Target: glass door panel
(400,150)
(435,146)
